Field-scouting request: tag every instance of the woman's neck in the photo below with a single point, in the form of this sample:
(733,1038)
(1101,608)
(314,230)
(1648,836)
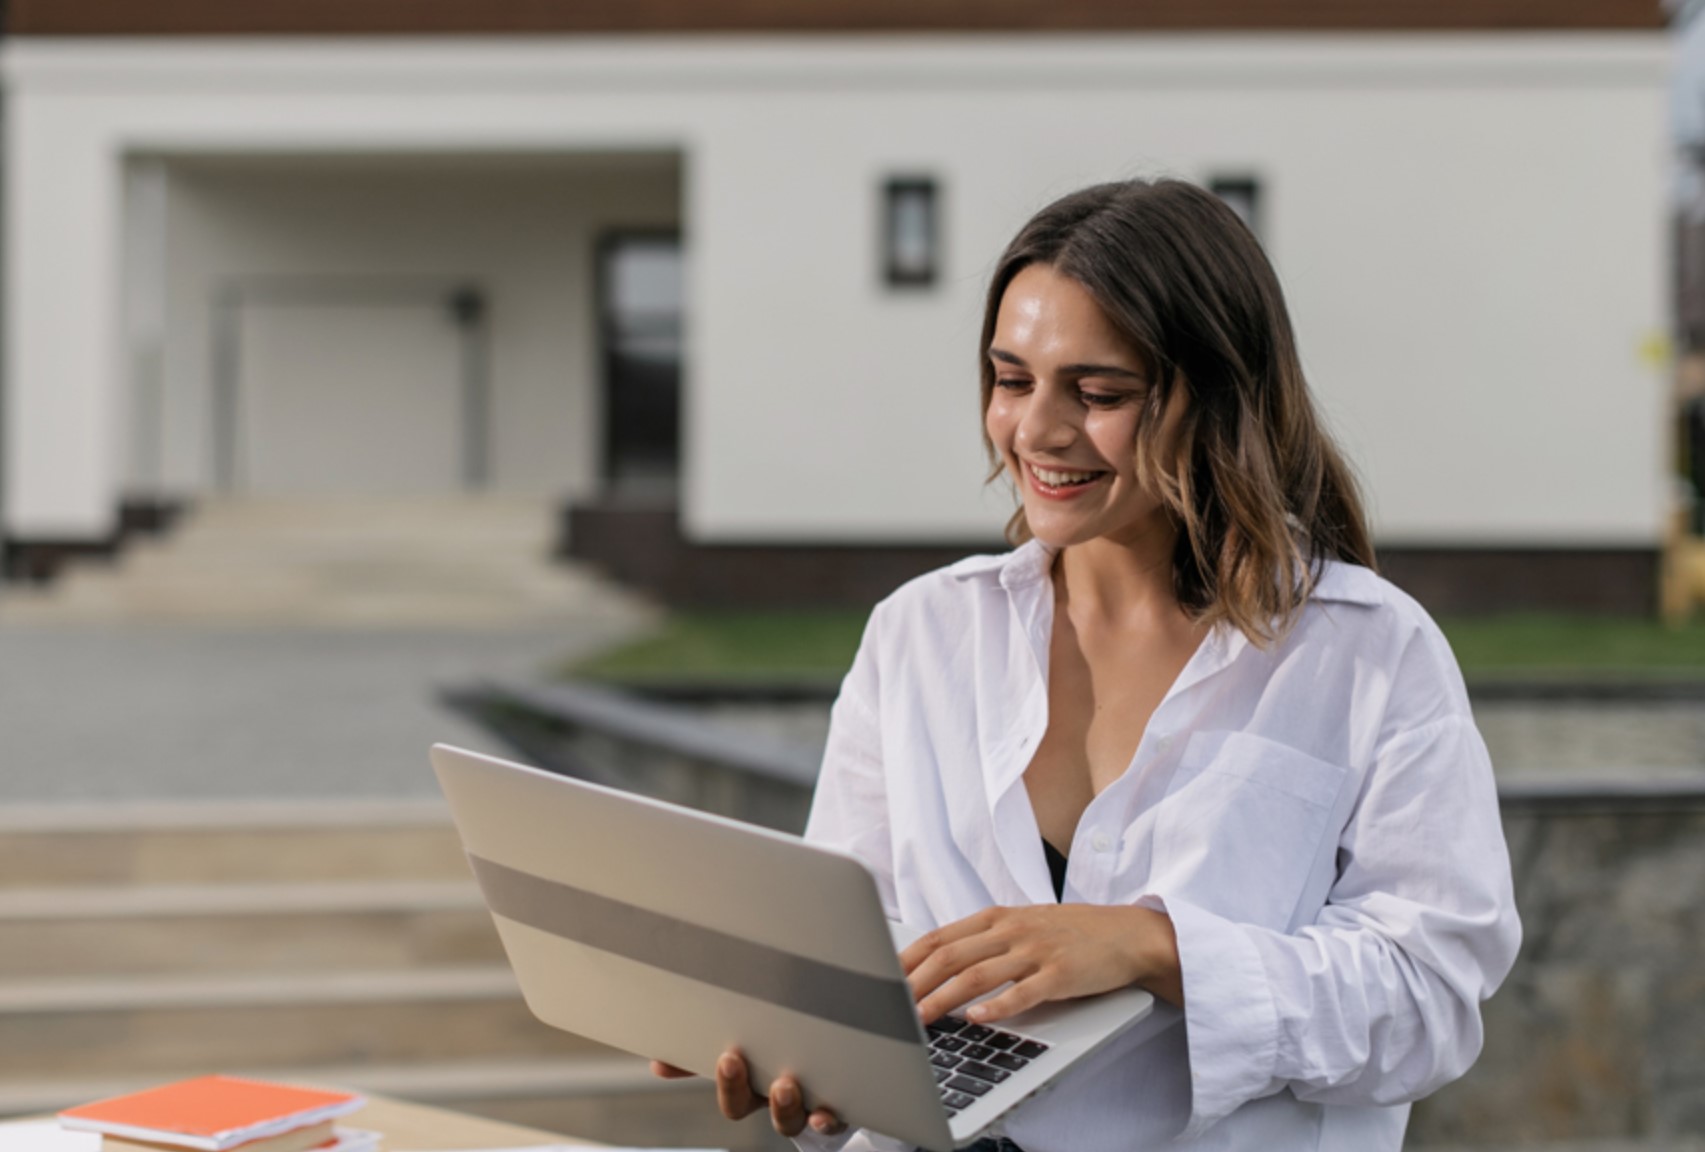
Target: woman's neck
(1119,581)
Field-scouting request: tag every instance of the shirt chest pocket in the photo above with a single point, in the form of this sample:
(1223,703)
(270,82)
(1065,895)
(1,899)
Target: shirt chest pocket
(1243,825)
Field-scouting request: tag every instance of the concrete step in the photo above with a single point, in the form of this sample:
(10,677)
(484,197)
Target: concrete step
(427,1081)
(490,512)
(252,607)
(243,928)
(301,591)
(463,568)
(607,1098)
(326,943)
(148,1025)
(61,846)
(477,561)
(433,536)
(390,591)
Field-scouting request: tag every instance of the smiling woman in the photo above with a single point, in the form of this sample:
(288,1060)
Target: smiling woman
(1064,427)
(1196,350)
(1182,737)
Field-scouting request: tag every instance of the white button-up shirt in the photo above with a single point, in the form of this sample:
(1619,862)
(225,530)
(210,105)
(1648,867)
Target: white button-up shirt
(1318,819)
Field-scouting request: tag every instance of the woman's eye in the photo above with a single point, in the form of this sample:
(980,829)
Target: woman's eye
(1011,382)
(1103,399)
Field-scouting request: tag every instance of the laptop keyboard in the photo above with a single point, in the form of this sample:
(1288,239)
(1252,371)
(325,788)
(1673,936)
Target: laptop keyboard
(969,1059)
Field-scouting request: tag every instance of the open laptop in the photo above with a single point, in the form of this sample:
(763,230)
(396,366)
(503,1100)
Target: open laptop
(675,934)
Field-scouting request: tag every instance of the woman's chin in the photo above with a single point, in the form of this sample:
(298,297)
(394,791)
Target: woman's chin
(1056,532)
(1055,535)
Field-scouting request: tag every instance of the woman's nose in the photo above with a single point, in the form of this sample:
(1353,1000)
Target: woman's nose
(1049,421)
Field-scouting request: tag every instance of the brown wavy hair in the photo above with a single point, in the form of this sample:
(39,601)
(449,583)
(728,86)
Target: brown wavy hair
(1261,494)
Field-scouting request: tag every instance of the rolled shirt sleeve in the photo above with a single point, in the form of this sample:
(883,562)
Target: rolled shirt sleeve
(1377,1001)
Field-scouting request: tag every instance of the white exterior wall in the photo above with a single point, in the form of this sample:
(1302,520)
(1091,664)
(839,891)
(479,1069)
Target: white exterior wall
(523,230)
(1471,232)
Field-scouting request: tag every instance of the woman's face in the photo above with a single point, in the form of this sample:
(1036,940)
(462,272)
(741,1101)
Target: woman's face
(1067,403)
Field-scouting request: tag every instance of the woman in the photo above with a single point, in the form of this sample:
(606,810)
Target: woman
(1182,736)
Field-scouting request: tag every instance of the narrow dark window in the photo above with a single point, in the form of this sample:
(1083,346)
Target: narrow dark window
(911,232)
(1243,195)
(641,307)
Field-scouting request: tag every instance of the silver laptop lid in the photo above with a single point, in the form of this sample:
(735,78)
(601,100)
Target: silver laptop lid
(677,935)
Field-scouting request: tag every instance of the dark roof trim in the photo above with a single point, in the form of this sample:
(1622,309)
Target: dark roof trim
(510,17)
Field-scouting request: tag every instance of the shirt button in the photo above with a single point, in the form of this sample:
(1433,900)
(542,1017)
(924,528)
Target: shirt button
(1101,842)
(1164,743)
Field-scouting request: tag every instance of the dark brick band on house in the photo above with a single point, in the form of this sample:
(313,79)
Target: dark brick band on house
(501,17)
(646,549)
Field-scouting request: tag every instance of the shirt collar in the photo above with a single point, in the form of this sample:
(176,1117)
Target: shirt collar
(1024,565)
(1348,583)
(1024,575)
(1029,563)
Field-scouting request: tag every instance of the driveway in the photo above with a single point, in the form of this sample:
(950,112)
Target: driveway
(154,713)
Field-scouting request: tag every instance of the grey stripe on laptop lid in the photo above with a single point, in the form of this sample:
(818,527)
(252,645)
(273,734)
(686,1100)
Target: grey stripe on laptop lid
(871,1004)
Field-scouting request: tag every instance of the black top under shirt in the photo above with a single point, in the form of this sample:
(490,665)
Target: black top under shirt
(1056,869)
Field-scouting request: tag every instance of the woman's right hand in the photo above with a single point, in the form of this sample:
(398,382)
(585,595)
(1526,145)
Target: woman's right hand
(735,1097)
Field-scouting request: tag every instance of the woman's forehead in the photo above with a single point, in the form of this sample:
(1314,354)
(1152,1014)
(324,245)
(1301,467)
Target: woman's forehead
(1045,313)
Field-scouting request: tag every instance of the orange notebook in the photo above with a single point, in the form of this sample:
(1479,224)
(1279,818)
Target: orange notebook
(210,1113)
(321,1135)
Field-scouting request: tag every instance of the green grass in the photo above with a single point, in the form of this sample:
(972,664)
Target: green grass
(771,646)
(1587,646)
(749,646)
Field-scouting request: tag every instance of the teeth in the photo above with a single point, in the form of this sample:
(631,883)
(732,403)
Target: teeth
(1059,479)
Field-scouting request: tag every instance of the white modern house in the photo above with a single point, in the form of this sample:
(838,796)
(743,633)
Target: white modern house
(712,274)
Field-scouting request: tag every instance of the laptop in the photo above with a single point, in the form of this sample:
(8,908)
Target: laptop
(676,934)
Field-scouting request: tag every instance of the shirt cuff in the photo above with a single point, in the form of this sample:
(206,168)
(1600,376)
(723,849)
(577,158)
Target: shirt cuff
(811,1140)
(1230,1020)
(849,1140)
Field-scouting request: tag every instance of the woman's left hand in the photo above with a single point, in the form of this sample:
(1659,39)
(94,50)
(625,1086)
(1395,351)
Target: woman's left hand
(1047,952)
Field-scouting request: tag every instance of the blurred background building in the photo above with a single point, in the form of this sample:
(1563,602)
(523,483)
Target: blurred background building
(360,308)
(710,274)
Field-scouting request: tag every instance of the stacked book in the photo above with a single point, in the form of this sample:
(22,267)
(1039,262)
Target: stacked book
(223,1114)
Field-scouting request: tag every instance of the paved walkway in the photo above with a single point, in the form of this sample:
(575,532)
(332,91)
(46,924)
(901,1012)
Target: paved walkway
(285,649)
(157,714)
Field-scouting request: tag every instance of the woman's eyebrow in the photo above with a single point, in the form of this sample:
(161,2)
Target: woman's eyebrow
(1100,370)
(1006,357)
